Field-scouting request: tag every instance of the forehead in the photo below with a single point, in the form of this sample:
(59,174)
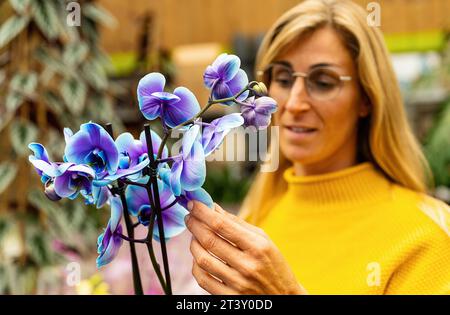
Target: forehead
(322,46)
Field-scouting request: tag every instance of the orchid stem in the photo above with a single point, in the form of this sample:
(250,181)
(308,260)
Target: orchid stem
(128,182)
(151,253)
(157,209)
(130,232)
(132,240)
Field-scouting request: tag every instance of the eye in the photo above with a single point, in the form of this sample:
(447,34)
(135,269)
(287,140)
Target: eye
(323,81)
(283,79)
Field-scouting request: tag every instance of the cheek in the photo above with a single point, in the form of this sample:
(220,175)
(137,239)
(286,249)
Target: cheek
(340,119)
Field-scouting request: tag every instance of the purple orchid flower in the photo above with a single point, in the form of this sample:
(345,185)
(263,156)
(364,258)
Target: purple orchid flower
(257,112)
(225,78)
(62,180)
(172,213)
(41,162)
(215,132)
(109,242)
(99,196)
(92,145)
(133,156)
(74,180)
(173,108)
(199,194)
(188,171)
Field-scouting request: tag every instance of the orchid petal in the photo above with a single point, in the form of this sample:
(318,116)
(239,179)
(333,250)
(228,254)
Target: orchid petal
(63,186)
(116,213)
(180,112)
(239,82)
(173,219)
(194,168)
(39,151)
(136,197)
(175,177)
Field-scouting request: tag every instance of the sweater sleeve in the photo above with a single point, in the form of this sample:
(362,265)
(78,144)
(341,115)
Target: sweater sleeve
(427,269)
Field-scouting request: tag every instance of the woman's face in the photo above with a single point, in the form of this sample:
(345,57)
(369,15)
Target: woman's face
(318,130)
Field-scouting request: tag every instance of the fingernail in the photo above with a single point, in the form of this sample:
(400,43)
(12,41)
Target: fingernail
(186,218)
(190,205)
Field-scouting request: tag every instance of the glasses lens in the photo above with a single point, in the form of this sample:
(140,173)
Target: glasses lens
(323,84)
(281,76)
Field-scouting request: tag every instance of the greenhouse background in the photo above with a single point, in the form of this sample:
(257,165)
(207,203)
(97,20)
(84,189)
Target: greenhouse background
(55,75)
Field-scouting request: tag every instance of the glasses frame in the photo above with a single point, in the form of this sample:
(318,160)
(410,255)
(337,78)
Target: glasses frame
(305,76)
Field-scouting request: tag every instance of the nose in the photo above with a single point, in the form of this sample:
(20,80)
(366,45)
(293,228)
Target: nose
(298,100)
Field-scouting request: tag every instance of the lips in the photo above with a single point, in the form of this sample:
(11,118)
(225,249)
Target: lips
(300,129)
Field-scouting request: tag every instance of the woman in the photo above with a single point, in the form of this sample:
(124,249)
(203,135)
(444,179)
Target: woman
(346,212)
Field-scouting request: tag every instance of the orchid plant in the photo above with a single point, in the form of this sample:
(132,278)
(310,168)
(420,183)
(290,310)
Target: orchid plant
(137,178)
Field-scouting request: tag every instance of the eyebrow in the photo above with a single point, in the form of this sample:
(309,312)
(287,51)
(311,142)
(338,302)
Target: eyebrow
(316,65)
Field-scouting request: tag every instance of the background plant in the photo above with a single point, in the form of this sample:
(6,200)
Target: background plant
(51,75)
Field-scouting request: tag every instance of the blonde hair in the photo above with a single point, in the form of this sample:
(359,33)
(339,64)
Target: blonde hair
(385,137)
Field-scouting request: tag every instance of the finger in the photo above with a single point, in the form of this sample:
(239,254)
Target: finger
(213,266)
(239,220)
(214,243)
(209,283)
(224,226)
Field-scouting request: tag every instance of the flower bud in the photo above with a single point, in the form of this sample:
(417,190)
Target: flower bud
(260,89)
(50,191)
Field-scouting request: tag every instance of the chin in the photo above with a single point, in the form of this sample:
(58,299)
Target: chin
(296,154)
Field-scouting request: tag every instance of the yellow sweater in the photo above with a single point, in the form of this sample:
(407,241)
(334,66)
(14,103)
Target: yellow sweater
(355,232)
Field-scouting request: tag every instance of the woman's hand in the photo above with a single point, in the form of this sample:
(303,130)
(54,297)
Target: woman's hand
(232,256)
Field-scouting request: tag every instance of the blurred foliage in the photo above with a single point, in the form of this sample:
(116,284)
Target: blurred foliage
(52,75)
(226,186)
(437,142)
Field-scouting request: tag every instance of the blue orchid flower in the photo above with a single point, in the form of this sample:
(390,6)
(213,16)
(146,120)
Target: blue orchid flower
(215,132)
(99,196)
(41,162)
(197,195)
(74,180)
(225,78)
(92,145)
(173,108)
(188,171)
(109,242)
(133,156)
(172,213)
(185,196)
(62,180)
(257,111)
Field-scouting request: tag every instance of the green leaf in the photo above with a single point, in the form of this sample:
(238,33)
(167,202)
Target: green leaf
(22,133)
(55,143)
(75,53)
(11,28)
(8,172)
(95,75)
(13,101)
(54,102)
(74,92)
(53,60)
(20,5)
(98,14)
(24,83)
(101,108)
(45,16)
(54,212)
(38,244)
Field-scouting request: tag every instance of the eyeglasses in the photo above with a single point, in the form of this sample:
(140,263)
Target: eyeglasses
(322,83)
